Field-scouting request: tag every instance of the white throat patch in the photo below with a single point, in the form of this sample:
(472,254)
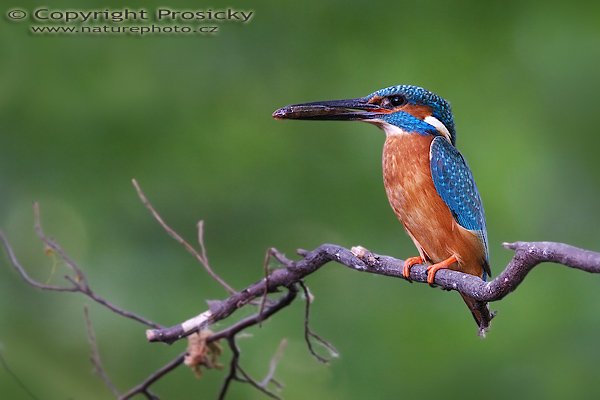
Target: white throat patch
(392,130)
(389,129)
(437,124)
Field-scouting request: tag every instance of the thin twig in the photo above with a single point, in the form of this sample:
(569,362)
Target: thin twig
(273,364)
(231,331)
(232,374)
(309,334)
(149,395)
(248,379)
(16,378)
(142,388)
(79,275)
(229,335)
(95,354)
(79,285)
(203,254)
(202,259)
(117,310)
(235,368)
(23,273)
(281,258)
(263,300)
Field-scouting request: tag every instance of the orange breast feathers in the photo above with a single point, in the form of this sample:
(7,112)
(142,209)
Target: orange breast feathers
(425,216)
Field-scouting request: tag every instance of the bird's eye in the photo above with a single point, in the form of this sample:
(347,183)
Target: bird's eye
(396,101)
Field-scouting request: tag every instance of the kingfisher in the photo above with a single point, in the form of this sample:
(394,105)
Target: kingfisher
(427,180)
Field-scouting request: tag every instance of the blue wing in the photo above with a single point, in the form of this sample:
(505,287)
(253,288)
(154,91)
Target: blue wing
(454,183)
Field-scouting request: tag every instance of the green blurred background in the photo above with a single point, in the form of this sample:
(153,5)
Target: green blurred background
(190,118)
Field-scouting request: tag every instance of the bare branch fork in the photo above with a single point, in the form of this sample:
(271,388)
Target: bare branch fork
(289,278)
(527,256)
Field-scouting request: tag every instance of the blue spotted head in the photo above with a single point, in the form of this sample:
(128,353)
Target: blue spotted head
(396,109)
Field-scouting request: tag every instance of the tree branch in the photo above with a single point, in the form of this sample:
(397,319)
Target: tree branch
(527,256)
(201,256)
(309,335)
(95,353)
(270,377)
(230,334)
(289,277)
(77,284)
(143,388)
(15,377)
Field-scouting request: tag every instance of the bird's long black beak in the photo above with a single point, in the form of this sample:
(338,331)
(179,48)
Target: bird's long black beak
(336,110)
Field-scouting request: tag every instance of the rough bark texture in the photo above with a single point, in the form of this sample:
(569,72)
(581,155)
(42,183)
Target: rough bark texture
(279,288)
(527,256)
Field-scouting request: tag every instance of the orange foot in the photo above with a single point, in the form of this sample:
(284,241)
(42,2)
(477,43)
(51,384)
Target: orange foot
(432,269)
(408,264)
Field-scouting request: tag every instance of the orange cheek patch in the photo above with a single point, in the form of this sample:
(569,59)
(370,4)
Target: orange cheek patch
(418,111)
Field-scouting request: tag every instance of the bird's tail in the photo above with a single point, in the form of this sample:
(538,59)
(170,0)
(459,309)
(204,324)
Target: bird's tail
(481,312)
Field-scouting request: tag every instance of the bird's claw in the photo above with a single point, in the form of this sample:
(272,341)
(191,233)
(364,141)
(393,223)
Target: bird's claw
(433,269)
(408,264)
